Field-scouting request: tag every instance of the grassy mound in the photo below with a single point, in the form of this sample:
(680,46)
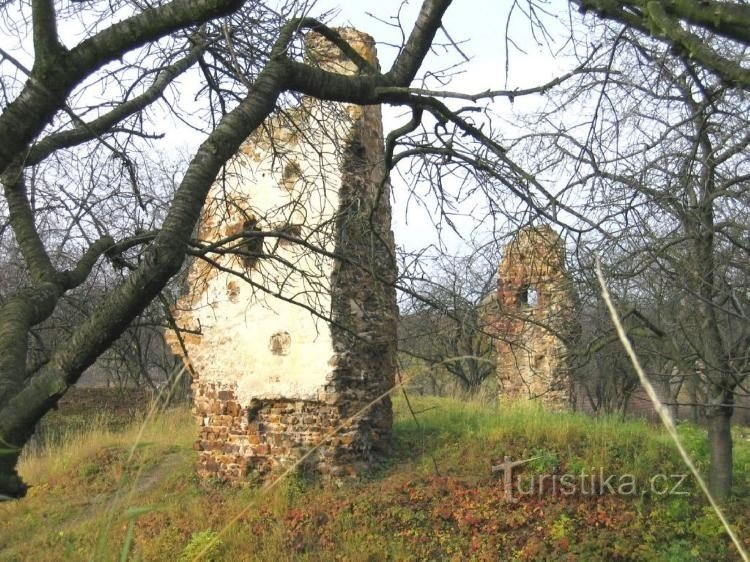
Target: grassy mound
(130,494)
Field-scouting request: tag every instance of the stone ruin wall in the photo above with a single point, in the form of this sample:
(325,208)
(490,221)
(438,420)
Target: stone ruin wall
(531,317)
(271,380)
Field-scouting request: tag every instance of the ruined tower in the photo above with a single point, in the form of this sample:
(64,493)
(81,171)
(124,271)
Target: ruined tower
(533,319)
(287,354)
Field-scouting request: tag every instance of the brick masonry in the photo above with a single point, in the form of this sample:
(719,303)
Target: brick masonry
(533,317)
(271,381)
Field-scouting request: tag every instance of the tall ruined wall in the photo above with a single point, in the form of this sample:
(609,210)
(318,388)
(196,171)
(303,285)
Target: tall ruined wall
(532,318)
(282,357)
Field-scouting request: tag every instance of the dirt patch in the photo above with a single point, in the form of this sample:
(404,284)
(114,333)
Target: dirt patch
(119,403)
(83,408)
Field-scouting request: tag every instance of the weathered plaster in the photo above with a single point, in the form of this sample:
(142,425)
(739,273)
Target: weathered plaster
(271,379)
(238,320)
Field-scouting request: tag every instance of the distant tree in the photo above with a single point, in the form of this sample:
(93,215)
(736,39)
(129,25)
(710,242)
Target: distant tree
(603,378)
(442,323)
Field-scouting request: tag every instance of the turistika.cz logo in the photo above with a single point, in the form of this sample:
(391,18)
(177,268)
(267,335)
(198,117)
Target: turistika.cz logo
(585,483)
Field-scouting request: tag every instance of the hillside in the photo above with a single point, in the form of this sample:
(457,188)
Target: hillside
(106,494)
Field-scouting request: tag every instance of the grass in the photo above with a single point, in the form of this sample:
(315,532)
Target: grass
(476,433)
(95,496)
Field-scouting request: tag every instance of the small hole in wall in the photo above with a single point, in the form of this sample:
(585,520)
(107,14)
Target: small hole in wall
(292,172)
(293,230)
(233,291)
(280,343)
(528,296)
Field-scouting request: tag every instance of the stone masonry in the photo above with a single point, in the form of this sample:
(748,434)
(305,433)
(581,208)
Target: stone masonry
(287,345)
(532,318)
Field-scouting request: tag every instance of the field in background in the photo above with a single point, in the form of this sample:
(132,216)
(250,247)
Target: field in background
(114,488)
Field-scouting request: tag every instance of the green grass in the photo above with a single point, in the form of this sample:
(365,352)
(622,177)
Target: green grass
(466,435)
(109,495)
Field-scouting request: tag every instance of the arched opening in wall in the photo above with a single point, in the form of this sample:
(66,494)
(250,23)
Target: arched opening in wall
(528,296)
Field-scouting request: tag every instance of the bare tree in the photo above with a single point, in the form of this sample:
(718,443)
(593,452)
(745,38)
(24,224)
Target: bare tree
(251,61)
(660,154)
(442,323)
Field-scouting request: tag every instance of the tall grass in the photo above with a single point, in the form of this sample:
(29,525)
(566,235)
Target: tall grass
(60,449)
(467,435)
(152,505)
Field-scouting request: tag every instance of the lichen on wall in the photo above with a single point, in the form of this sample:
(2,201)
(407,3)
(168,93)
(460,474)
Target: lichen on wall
(290,320)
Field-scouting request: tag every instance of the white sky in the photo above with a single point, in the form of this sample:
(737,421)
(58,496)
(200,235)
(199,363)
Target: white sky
(479,26)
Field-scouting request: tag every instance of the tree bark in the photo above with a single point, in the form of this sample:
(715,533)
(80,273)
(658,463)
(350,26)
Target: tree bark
(11,485)
(720,445)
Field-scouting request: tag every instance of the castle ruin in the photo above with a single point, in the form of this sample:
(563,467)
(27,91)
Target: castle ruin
(289,325)
(532,319)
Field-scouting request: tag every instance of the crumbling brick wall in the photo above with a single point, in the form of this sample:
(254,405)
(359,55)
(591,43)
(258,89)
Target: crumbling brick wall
(533,319)
(290,355)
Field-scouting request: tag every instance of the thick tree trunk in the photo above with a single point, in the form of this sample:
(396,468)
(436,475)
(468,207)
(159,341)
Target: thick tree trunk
(11,485)
(720,446)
